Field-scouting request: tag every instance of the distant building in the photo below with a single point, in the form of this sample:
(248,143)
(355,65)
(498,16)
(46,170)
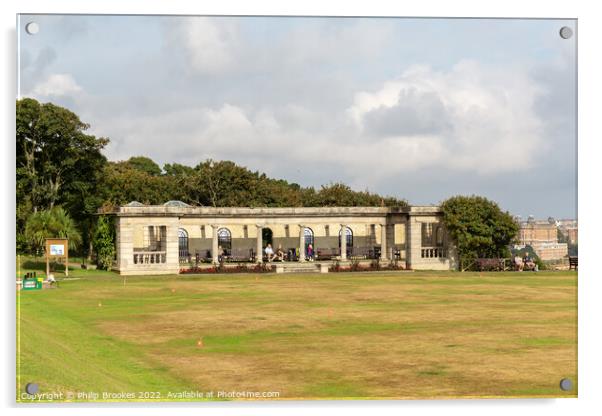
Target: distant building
(542,236)
(570,230)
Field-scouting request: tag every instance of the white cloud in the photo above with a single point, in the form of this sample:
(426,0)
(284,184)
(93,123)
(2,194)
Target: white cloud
(224,47)
(482,119)
(57,85)
(210,45)
(329,42)
(316,100)
(470,119)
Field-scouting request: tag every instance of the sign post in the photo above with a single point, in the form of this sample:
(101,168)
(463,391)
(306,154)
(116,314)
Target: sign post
(57,248)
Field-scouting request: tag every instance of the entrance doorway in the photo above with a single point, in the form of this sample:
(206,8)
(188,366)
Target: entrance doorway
(266,236)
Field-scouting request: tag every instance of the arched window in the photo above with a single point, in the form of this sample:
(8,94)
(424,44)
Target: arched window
(349,235)
(309,237)
(224,239)
(183,243)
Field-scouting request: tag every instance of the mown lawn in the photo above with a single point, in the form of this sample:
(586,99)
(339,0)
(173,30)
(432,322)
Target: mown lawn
(340,335)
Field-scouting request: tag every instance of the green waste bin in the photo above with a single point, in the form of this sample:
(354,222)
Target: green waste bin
(32,282)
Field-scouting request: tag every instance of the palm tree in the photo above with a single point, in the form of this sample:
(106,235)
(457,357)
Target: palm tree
(52,223)
(37,228)
(65,227)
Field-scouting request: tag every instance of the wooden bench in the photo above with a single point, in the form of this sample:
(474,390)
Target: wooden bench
(492,264)
(573,263)
(325,253)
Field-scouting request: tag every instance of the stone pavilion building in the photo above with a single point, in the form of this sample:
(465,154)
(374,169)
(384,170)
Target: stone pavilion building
(165,239)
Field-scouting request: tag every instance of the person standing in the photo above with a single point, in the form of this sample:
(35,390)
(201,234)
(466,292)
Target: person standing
(310,252)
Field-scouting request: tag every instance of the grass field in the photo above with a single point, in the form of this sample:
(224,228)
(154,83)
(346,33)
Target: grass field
(340,335)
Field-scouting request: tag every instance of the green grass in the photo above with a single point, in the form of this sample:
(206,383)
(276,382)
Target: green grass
(340,335)
(538,342)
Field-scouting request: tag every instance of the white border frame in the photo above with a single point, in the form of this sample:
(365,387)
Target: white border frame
(590,33)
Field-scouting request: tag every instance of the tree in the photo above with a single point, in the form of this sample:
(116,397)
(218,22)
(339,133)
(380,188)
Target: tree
(339,194)
(57,164)
(177,169)
(144,164)
(123,183)
(51,223)
(479,227)
(53,151)
(104,242)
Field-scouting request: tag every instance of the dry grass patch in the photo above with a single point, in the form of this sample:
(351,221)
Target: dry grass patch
(373,335)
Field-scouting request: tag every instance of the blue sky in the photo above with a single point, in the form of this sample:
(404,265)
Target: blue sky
(417,108)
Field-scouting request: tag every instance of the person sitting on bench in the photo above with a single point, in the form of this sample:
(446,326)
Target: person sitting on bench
(528,262)
(279,254)
(51,280)
(269,253)
(518,263)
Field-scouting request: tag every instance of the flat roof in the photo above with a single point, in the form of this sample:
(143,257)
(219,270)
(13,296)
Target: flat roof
(139,210)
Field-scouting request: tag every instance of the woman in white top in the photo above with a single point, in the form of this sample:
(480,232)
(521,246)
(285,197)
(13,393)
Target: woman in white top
(269,252)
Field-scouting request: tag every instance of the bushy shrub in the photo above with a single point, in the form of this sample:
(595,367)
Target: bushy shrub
(479,228)
(104,242)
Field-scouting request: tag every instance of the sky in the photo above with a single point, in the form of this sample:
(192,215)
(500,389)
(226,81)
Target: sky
(421,109)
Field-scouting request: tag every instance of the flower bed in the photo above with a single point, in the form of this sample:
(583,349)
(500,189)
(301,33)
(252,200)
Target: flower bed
(357,267)
(258,268)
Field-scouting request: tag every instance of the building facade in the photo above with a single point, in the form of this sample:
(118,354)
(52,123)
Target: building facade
(542,236)
(570,229)
(163,239)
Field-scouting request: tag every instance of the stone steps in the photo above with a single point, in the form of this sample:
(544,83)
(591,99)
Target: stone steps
(302,268)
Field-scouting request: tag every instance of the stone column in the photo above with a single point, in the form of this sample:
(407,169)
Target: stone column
(214,246)
(171,247)
(413,242)
(125,245)
(117,261)
(301,242)
(343,242)
(259,252)
(383,241)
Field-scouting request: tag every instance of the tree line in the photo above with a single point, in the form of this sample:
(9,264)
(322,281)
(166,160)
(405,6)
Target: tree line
(63,179)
